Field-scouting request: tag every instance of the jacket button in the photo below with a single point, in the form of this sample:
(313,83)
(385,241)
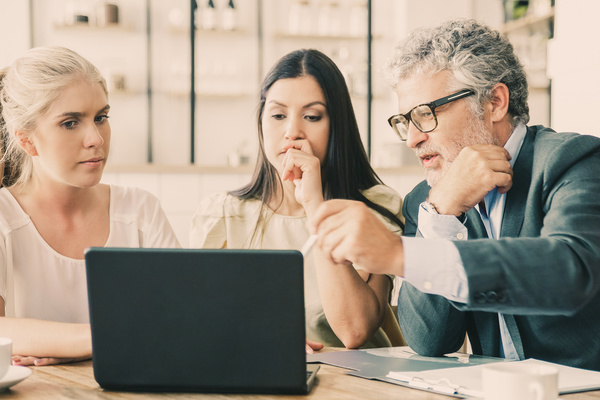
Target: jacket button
(502,296)
(479,298)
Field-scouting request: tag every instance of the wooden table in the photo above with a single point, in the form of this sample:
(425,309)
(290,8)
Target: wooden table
(76,381)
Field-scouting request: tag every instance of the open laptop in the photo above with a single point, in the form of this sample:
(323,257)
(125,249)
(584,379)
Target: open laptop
(215,321)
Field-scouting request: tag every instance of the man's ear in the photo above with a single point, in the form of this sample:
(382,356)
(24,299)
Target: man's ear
(26,143)
(499,102)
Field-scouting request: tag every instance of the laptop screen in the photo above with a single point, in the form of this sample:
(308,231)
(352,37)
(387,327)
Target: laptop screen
(198,320)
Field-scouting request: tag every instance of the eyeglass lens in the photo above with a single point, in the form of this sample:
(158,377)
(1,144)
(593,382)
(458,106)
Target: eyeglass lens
(422,116)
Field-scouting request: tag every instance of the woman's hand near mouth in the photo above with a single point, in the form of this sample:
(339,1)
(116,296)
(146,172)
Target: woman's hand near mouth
(300,166)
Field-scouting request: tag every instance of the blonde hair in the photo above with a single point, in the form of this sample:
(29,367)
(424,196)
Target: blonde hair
(28,88)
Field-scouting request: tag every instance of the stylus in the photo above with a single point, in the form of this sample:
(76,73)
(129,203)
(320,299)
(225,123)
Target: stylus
(308,245)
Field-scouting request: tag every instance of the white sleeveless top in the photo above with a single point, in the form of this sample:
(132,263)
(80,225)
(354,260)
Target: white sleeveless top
(37,282)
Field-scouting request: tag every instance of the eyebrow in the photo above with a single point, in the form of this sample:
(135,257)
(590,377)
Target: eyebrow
(80,114)
(305,106)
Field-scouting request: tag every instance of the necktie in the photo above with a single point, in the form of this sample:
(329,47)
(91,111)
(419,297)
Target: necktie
(482,208)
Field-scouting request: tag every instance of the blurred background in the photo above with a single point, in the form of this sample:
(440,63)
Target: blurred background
(184,76)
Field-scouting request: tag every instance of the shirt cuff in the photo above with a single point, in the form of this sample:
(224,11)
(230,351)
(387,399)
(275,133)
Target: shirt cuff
(439,226)
(434,266)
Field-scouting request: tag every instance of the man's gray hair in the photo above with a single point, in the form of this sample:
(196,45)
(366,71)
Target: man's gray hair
(477,56)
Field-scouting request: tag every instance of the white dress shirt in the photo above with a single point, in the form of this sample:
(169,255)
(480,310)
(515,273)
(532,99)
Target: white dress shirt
(445,274)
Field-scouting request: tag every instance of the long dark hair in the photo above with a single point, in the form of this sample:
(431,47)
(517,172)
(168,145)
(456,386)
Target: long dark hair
(346,170)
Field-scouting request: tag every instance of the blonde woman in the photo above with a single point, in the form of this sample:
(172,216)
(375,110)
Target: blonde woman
(54,118)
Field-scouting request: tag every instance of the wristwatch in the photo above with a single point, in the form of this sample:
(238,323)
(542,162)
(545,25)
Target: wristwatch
(429,207)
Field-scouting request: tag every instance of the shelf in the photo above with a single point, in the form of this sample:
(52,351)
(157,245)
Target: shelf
(290,36)
(185,30)
(528,21)
(207,95)
(125,93)
(223,169)
(82,26)
(178,169)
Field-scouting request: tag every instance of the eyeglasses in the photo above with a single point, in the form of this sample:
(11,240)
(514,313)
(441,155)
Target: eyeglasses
(423,116)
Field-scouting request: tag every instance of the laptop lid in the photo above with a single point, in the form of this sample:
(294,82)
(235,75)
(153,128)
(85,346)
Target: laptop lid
(197,320)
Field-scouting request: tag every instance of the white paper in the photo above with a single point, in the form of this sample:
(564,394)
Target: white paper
(467,380)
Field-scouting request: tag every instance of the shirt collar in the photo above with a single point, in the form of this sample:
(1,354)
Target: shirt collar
(514,142)
(494,199)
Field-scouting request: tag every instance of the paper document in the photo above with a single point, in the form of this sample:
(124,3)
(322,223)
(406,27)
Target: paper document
(467,381)
(456,374)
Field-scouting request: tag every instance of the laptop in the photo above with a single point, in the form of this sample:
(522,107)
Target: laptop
(198,320)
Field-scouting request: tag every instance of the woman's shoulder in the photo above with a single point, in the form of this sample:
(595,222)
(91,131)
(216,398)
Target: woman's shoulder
(7,200)
(224,204)
(385,196)
(130,195)
(132,200)
(11,213)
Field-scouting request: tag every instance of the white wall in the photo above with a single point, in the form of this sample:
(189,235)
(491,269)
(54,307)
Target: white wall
(574,67)
(14,30)
(179,193)
(391,24)
(574,62)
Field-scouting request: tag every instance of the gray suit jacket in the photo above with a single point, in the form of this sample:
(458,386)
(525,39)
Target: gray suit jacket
(543,273)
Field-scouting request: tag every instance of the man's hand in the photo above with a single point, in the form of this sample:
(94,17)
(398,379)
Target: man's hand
(351,234)
(474,173)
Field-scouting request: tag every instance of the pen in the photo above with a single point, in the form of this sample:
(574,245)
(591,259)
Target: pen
(308,245)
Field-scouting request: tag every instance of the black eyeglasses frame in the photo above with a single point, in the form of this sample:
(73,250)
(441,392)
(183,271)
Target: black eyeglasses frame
(432,106)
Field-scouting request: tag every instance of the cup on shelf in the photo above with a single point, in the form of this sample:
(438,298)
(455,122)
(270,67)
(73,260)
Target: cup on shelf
(208,16)
(328,23)
(5,355)
(108,14)
(541,7)
(229,16)
(358,22)
(76,13)
(176,18)
(300,18)
(116,82)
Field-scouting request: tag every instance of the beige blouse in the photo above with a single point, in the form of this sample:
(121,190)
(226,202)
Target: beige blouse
(225,221)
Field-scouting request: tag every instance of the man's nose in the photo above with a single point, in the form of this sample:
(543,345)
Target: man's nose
(414,136)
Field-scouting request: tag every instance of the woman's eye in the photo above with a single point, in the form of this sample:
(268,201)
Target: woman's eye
(100,119)
(313,118)
(278,116)
(69,124)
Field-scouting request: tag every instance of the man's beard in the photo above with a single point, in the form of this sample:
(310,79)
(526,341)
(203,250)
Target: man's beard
(475,133)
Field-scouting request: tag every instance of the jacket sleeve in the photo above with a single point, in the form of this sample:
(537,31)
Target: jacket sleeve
(553,266)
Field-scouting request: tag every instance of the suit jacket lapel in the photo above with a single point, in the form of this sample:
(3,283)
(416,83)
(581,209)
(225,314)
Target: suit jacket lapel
(514,208)
(514,214)
(475,225)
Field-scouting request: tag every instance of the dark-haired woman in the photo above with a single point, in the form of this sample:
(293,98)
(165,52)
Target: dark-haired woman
(310,151)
